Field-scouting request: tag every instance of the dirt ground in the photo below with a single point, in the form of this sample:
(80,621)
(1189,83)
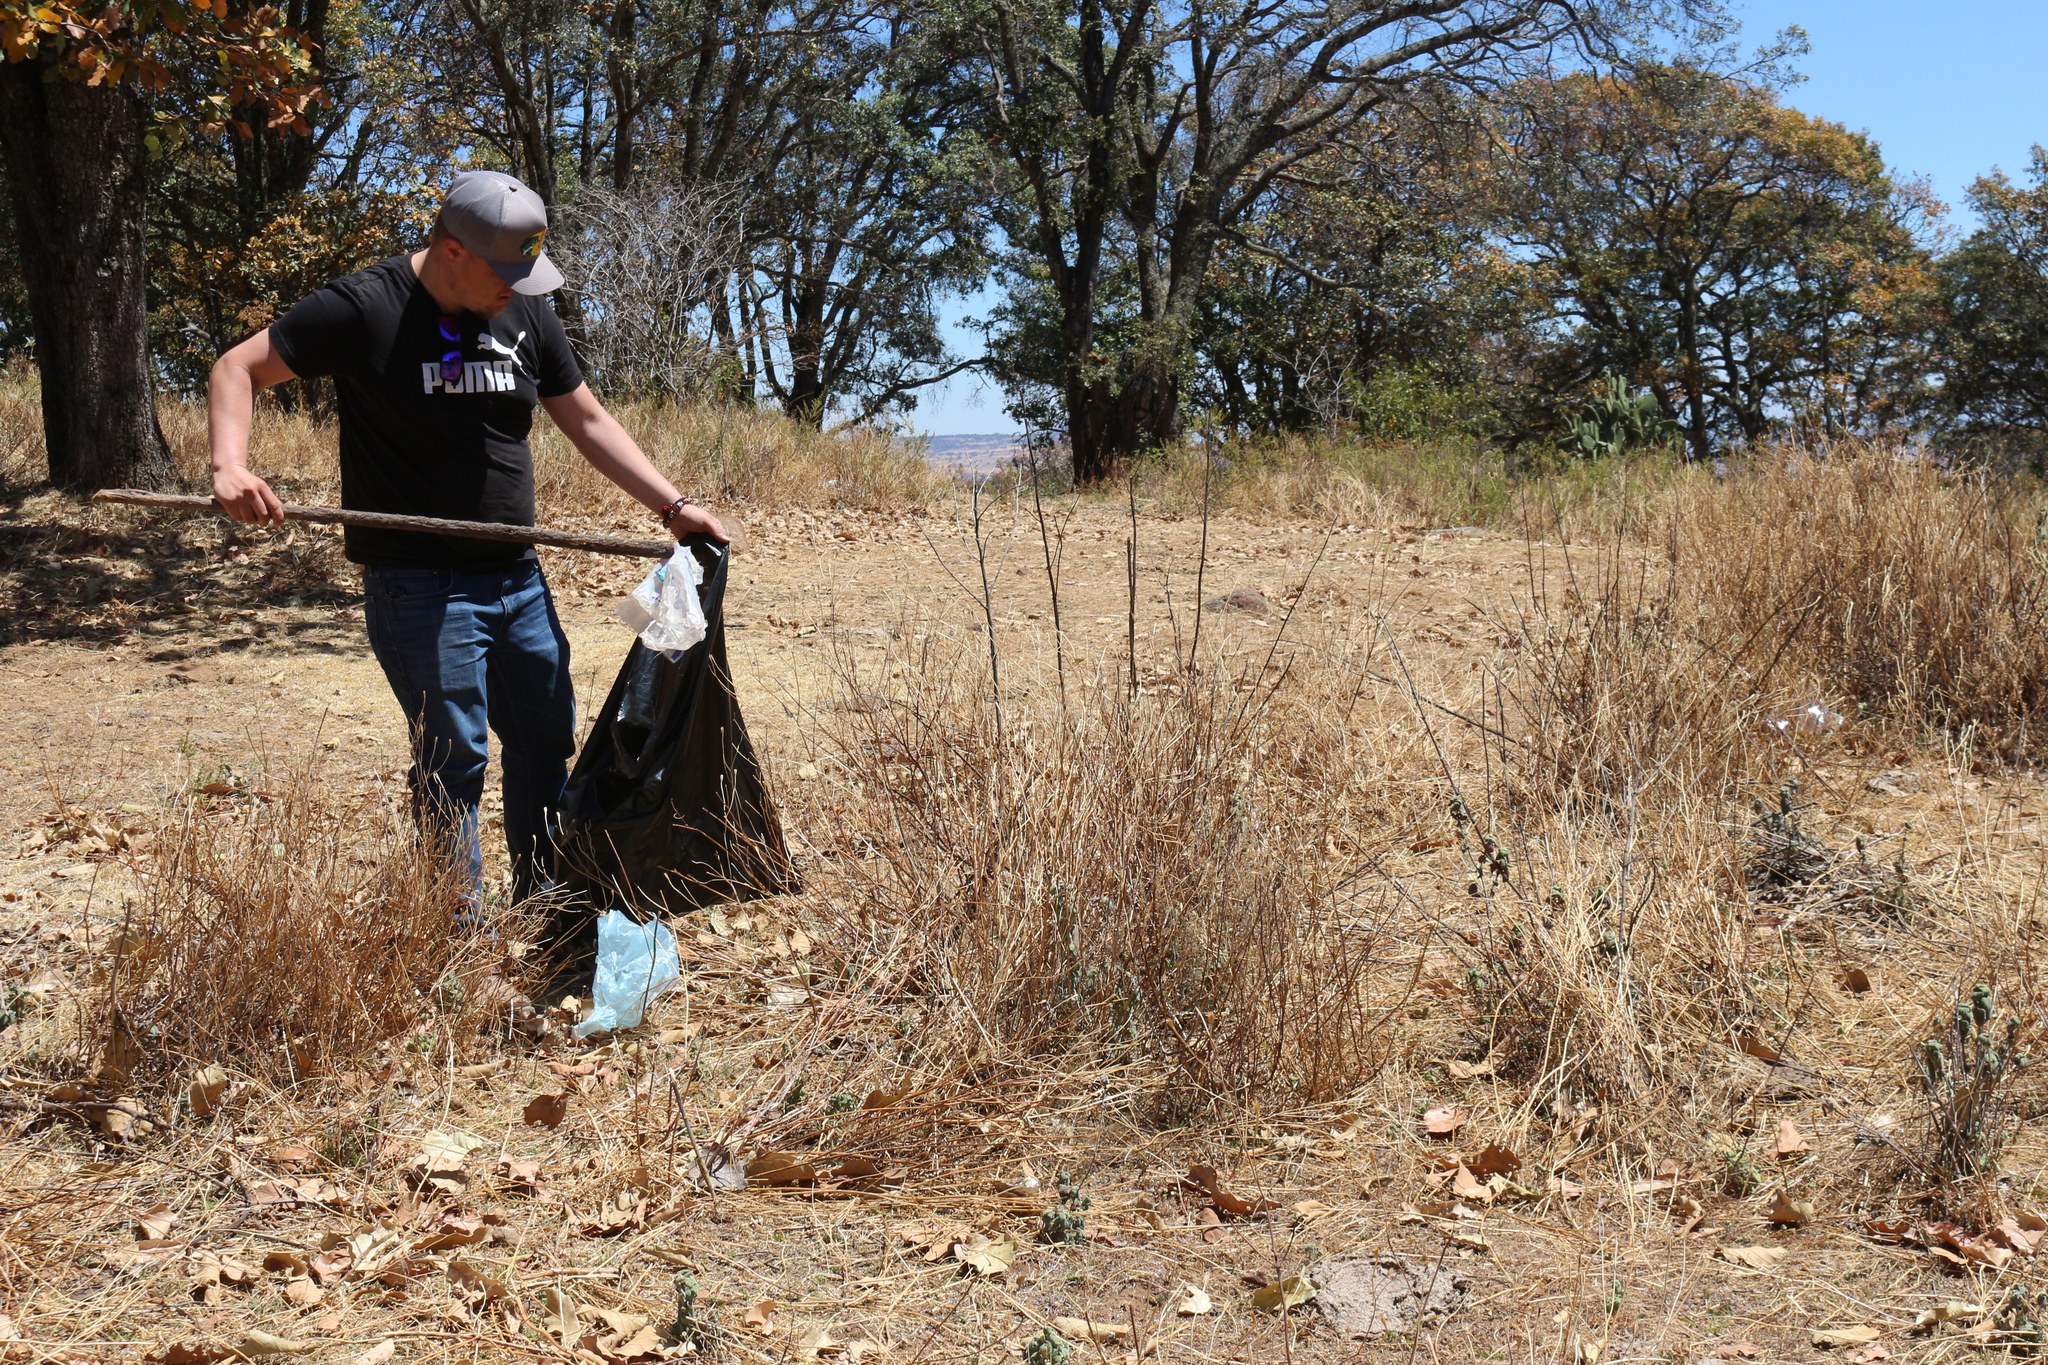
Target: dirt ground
(138,660)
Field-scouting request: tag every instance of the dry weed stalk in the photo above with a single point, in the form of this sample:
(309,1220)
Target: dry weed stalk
(284,935)
(1144,879)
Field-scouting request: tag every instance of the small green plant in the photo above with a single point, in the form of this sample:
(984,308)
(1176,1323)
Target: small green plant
(1065,1223)
(1048,1348)
(1965,1069)
(1739,1173)
(2019,1321)
(688,1329)
(450,995)
(842,1103)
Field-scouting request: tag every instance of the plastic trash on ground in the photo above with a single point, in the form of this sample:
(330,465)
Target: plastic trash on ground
(1812,719)
(635,964)
(664,611)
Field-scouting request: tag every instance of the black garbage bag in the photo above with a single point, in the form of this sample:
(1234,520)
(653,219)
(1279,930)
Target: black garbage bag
(665,809)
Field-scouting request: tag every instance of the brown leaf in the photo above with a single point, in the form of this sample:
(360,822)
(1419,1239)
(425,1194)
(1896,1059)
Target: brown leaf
(155,1224)
(1089,1330)
(547,1111)
(1494,1159)
(453,1231)
(1894,1232)
(1758,1048)
(2022,1233)
(884,1099)
(1855,980)
(330,1265)
(475,1286)
(1755,1258)
(1970,1246)
(780,1169)
(1846,1336)
(1465,1186)
(623,1211)
(291,1158)
(378,1354)
(986,1257)
(1564,1187)
(1466,1071)
(1445,1120)
(1282,1295)
(759,1317)
(304,1294)
(1733,1350)
(1789,1212)
(1312,1209)
(1204,1180)
(519,1171)
(209,1086)
(1789,1142)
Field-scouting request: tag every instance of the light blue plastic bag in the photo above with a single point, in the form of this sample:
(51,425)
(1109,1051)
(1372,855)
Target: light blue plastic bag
(635,964)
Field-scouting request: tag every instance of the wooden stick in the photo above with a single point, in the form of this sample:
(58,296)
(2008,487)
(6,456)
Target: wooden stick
(391,521)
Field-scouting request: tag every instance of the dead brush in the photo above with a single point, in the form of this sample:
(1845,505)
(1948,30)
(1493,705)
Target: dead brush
(1143,880)
(283,935)
(1918,593)
(1967,1069)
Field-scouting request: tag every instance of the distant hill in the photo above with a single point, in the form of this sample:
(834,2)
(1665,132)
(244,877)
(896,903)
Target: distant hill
(977,454)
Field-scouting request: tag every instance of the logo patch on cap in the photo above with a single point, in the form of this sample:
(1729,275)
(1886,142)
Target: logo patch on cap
(530,248)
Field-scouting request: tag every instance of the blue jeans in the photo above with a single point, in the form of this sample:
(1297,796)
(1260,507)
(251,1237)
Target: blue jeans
(467,652)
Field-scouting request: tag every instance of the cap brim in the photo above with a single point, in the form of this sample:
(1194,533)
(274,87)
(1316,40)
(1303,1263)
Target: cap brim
(537,276)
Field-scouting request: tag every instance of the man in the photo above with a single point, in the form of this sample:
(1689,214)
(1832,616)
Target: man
(438,358)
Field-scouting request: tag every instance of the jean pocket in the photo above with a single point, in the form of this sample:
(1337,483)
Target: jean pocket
(400,587)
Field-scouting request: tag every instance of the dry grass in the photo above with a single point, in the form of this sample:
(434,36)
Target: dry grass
(1916,595)
(284,934)
(1162,879)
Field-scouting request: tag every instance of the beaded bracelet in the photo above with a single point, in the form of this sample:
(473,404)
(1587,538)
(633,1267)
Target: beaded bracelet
(669,510)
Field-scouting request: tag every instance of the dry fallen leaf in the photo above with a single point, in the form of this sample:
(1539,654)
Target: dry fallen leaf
(1494,1159)
(1846,1336)
(1193,1303)
(1789,1212)
(814,1343)
(1282,1295)
(1866,1355)
(1445,1120)
(780,1169)
(1756,1258)
(1312,1209)
(1088,1330)
(1790,1142)
(2022,1233)
(209,1086)
(1466,1071)
(1969,1246)
(441,1159)
(452,1230)
(264,1344)
(547,1111)
(156,1223)
(1855,980)
(984,1257)
(759,1317)
(1733,1350)
(378,1354)
(1955,1310)
(1205,1180)
(1564,1187)
(519,1171)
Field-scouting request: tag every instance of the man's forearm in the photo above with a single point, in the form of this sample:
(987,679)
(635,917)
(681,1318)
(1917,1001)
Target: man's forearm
(230,402)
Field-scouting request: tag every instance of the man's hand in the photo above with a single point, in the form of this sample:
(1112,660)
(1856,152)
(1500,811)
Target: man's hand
(245,497)
(692,520)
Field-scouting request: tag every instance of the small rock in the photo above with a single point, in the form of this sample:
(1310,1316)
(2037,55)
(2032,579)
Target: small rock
(1248,600)
(1897,782)
(1383,1295)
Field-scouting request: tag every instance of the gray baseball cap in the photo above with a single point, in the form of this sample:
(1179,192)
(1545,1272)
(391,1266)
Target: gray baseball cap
(504,222)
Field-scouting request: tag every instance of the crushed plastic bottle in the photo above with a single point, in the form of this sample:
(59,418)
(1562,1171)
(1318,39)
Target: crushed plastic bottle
(664,611)
(1810,719)
(635,964)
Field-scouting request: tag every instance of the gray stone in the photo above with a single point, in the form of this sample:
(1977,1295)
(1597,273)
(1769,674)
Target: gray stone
(1381,1295)
(1249,600)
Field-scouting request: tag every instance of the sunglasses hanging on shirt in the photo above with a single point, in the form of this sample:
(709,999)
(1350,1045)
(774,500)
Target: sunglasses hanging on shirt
(451,361)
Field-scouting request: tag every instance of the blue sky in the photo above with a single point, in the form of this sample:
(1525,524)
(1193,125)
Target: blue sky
(1948,90)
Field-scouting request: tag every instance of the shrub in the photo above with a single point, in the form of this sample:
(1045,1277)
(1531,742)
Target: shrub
(283,936)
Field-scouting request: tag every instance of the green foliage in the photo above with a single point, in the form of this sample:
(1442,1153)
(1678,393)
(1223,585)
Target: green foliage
(1048,1348)
(1065,1223)
(1616,423)
(1993,327)
(1964,1070)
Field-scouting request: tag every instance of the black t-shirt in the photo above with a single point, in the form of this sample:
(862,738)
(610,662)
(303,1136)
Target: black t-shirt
(430,427)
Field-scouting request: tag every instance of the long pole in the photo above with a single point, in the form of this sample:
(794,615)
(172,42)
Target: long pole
(392,521)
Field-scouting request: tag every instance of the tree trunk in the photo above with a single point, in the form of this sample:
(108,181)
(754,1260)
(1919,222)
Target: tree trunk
(1110,422)
(76,173)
